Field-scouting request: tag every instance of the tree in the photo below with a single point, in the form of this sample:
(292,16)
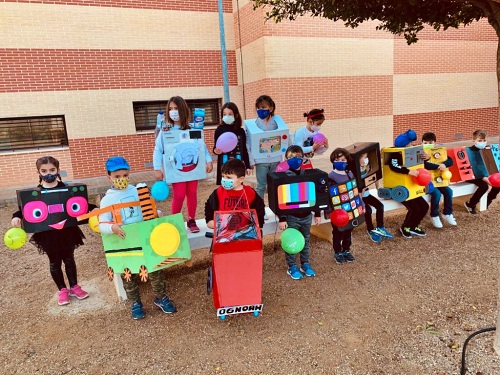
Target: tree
(400,17)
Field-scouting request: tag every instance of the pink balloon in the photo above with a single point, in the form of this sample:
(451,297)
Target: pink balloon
(283,166)
(319,138)
(227,142)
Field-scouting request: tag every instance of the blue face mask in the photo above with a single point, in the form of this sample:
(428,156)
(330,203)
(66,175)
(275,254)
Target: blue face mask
(227,183)
(263,113)
(340,165)
(49,178)
(294,163)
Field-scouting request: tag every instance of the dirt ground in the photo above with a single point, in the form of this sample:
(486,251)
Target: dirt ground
(404,307)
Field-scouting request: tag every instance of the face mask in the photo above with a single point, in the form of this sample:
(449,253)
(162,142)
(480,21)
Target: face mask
(121,183)
(366,161)
(294,163)
(227,183)
(263,113)
(315,128)
(228,120)
(174,114)
(340,165)
(481,145)
(49,178)
(428,145)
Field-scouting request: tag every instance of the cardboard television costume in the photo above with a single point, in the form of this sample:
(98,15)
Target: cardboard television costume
(373,171)
(265,145)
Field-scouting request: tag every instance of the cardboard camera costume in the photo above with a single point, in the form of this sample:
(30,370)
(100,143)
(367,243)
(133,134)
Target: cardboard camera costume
(265,145)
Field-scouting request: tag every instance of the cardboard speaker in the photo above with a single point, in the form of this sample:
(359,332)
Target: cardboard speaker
(461,170)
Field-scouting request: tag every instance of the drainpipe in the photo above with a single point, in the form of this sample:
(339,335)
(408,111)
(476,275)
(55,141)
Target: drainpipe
(225,78)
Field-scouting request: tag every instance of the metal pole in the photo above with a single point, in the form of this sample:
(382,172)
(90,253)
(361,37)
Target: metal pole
(225,78)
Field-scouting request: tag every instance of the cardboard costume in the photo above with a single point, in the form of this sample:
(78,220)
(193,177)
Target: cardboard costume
(461,170)
(345,196)
(438,155)
(371,172)
(266,145)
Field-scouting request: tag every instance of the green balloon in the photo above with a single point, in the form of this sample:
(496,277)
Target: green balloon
(292,241)
(15,238)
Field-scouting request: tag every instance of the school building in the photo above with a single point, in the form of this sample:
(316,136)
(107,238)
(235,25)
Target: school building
(83,80)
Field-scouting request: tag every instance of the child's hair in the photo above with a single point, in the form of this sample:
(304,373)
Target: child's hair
(338,152)
(47,160)
(315,114)
(184,111)
(429,137)
(233,166)
(293,149)
(237,117)
(266,99)
(479,134)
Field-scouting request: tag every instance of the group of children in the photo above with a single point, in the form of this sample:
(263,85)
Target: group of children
(232,167)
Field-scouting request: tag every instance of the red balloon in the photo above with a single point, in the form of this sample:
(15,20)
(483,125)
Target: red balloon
(339,218)
(423,178)
(494,179)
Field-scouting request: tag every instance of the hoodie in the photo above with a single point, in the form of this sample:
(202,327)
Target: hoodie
(129,215)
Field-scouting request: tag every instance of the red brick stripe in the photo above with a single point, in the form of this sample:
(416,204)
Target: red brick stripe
(54,70)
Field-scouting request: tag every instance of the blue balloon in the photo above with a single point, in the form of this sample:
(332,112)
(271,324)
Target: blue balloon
(160,191)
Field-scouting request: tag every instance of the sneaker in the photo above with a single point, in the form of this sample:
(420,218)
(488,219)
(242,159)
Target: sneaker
(381,231)
(78,292)
(418,232)
(405,232)
(450,219)
(307,269)
(165,305)
(339,258)
(436,221)
(137,311)
(375,236)
(348,256)
(471,210)
(193,228)
(63,297)
(294,272)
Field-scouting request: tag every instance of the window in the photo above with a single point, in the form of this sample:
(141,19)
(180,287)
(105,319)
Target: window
(32,132)
(145,112)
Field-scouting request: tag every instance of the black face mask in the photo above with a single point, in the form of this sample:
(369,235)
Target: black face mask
(49,178)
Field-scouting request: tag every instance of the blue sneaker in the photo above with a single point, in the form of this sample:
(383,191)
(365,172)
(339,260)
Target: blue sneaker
(165,305)
(375,236)
(137,311)
(307,269)
(383,232)
(339,258)
(348,256)
(294,272)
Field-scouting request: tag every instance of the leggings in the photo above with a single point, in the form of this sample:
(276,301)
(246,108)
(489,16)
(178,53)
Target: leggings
(56,259)
(181,189)
(371,201)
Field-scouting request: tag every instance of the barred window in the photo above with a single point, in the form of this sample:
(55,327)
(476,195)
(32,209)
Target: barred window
(145,112)
(32,132)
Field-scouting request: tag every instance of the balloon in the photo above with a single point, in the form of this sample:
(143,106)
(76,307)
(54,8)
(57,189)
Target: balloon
(94,224)
(282,166)
(494,179)
(319,138)
(227,142)
(446,175)
(160,191)
(292,241)
(165,239)
(339,218)
(15,238)
(405,138)
(423,178)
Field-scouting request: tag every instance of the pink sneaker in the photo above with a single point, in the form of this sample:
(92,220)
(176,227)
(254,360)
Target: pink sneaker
(78,292)
(63,297)
(192,227)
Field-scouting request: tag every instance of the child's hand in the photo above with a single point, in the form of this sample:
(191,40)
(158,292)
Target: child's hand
(283,225)
(217,151)
(210,167)
(442,167)
(317,220)
(16,222)
(158,175)
(413,173)
(316,145)
(210,224)
(249,171)
(425,156)
(116,228)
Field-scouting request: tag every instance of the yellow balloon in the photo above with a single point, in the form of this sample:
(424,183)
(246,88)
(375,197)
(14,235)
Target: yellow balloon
(446,175)
(165,239)
(94,224)
(15,238)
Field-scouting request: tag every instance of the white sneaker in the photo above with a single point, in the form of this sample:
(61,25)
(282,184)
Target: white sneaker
(436,221)
(450,219)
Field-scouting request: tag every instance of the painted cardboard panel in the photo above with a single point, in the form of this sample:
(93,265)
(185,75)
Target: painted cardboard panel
(267,144)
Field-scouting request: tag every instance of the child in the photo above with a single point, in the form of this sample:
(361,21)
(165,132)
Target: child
(429,140)
(342,240)
(233,194)
(376,234)
(59,245)
(417,207)
(122,192)
(301,222)
(178,115)
(304,136)
(482,183)
(231,122)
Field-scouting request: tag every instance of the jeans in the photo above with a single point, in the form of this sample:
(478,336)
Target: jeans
(447,194)
(303,225)
(417,209)
(261,171)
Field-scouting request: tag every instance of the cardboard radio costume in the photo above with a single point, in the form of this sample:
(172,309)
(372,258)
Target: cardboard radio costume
(267,144)
(461,170)
(438,155)
(235,276)
(373,171)
(289,193)
(149,245)
(183,155)
(49,209)
(346,197)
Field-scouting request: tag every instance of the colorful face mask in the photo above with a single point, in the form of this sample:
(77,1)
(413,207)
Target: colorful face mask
(227,183)
(295,162)
(174,114)
(49,178)
(121,183)
(480,145)
(263,113)
(228,120)
(340,165)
